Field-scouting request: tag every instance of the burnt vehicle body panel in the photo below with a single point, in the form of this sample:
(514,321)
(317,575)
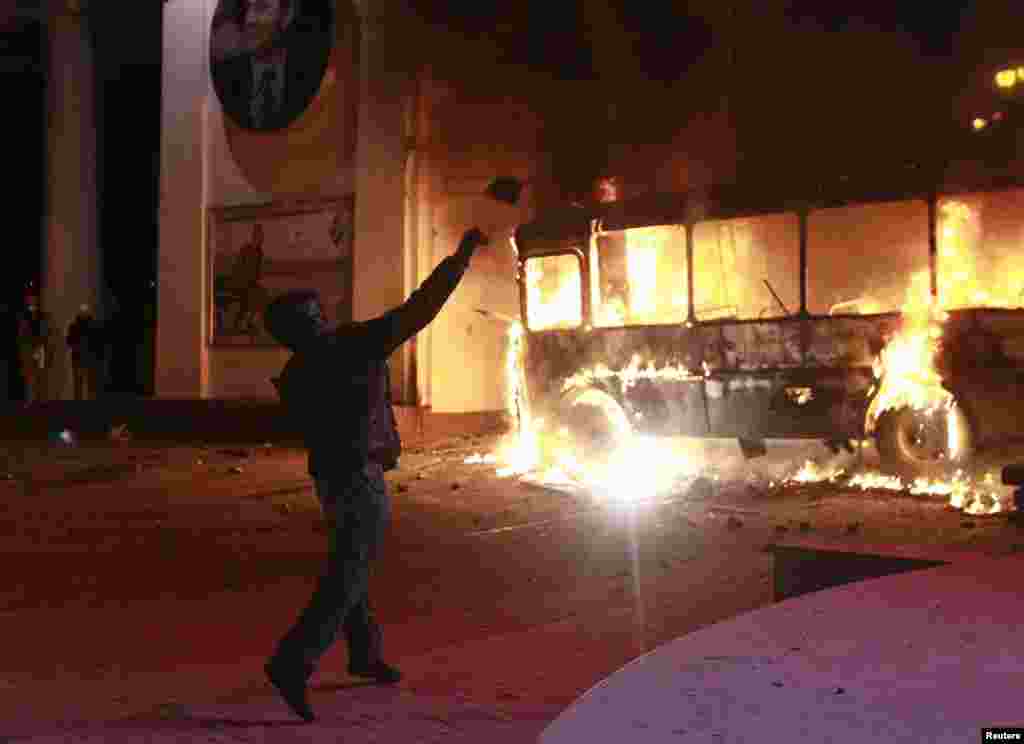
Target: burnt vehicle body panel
(796,375)
(746,379)
(981,360)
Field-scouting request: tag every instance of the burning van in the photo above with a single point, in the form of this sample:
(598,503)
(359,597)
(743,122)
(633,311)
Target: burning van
(723,314)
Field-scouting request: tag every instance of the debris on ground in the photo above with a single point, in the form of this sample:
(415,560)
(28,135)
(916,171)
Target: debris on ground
(235,452)
(967,524)
(235,470)
(65,437)
(171,711)
(757,491)
(119,433)
(701,489)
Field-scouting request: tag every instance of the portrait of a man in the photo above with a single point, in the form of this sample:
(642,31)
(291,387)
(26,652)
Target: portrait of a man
(268,57)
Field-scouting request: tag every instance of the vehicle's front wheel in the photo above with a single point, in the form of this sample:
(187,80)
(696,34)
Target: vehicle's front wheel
(915,444)
(594,423)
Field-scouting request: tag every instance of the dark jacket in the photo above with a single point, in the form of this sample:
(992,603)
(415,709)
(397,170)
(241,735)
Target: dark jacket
(336,387)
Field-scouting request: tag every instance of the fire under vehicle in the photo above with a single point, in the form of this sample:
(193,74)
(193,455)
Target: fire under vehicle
(727,314)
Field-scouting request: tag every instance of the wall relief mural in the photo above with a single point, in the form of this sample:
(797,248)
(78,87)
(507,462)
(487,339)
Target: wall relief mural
(256,253)
(268,58)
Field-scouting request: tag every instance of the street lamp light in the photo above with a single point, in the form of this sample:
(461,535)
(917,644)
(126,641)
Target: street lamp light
(1006,79)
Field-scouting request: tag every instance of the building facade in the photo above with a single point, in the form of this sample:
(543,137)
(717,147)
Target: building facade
(408,150)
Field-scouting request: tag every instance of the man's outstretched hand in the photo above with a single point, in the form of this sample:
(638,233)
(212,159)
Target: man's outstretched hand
(471,240)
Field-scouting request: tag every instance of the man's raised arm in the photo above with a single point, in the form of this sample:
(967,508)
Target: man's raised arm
(380,336)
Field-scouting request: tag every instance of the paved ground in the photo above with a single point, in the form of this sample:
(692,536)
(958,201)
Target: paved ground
(151,581)
(926,656)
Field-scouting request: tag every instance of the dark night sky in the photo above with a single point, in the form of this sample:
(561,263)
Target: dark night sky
(548,35)
(542,34)
(931,24)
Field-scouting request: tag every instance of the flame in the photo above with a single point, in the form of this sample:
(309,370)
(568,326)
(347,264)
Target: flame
(642,250)
(906,372)
(553,292)
(964,493)
(522,452)
(627,376)
(639,468)
(876,481)
(811,472)
(906,368)
(644,288)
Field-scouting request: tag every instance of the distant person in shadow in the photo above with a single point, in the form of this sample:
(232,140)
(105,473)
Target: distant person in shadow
(86,346)
(273,70)
(33,350)
(9,355)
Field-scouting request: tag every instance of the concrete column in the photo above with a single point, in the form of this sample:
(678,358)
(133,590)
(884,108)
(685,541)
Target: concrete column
(181,368)
(421,186)
(71,259)
(381,251)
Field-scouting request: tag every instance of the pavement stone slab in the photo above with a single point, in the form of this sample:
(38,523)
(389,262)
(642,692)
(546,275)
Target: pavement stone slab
(354,715)
(925,656)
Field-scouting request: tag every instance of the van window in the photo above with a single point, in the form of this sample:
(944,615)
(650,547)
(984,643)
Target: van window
(638,276)
(554,294)
(867,258)
(980,244)
(733,260)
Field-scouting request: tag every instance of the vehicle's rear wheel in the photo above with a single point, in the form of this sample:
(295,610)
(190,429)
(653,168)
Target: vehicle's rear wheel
(914,444)
(594,424)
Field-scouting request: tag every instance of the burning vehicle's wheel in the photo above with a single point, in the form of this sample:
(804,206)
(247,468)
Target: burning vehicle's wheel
(915,444)
(594,423)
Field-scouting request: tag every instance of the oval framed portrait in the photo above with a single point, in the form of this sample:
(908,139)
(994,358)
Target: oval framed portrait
(268,58)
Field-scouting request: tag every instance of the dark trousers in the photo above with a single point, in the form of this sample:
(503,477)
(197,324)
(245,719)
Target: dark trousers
(357,510)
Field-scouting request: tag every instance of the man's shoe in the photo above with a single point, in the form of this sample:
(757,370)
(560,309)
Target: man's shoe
(290,682)
(378,671)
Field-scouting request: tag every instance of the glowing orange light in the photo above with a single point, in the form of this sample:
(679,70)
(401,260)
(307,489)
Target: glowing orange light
(1006,78)
(979,124)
